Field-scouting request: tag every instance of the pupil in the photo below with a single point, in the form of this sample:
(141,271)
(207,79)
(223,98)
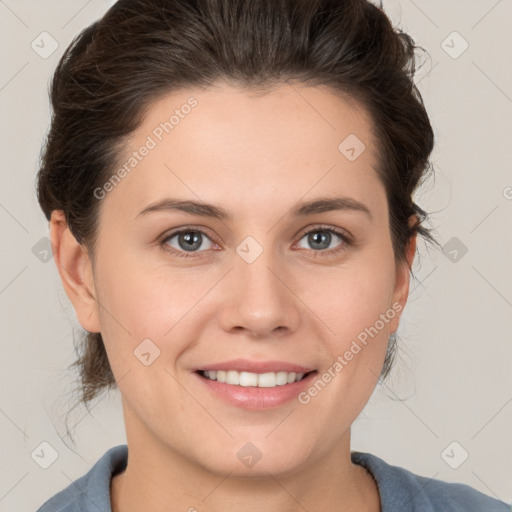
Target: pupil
(190,239)
(317,238)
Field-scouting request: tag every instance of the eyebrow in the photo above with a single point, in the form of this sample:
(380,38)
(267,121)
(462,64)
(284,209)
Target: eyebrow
(302,209)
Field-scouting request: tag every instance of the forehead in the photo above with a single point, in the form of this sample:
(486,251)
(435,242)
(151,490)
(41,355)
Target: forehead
(227,142)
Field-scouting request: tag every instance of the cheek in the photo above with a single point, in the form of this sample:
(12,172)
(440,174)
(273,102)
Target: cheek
(141,302)
(352,297)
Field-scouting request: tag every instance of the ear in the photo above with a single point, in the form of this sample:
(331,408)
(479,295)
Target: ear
(75,269)
(401,291)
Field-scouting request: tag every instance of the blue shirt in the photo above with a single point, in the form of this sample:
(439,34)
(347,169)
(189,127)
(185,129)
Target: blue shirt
(399,489)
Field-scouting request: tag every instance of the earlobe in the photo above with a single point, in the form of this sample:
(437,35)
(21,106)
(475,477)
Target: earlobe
(75,269)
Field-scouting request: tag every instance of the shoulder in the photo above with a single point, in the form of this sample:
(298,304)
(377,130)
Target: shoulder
(90,492)
(401,490)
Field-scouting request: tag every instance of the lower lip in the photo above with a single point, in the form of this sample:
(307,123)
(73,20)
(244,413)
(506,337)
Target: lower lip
(255,398)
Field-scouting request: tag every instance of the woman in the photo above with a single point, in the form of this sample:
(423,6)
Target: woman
(229,189)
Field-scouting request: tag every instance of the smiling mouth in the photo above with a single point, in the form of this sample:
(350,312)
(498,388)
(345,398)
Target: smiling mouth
(250,379)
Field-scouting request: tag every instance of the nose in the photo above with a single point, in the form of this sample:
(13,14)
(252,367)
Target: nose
(259,298)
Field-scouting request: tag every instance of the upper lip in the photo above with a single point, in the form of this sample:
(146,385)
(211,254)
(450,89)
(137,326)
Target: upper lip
(245,365)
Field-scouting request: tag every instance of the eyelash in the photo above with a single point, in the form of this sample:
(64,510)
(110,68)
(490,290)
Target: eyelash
(347,241)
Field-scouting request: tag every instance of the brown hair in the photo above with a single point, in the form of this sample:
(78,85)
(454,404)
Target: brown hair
(142,49)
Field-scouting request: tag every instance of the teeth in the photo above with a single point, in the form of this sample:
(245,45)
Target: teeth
(261,380)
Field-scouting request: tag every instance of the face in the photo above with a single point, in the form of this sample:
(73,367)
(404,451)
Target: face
(176,289)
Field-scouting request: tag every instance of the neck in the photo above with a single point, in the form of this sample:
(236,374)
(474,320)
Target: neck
(154,481)
(160,478)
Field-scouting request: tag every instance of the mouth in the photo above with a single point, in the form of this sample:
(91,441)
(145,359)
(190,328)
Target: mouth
(254,384)
(251,379)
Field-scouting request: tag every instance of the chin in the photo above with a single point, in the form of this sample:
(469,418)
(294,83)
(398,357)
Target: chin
(246,459)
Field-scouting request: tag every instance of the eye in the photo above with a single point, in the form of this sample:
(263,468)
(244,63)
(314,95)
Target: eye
(187,240)
(320,239)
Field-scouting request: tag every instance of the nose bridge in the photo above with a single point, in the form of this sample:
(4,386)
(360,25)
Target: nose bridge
(260,301)
(256,268)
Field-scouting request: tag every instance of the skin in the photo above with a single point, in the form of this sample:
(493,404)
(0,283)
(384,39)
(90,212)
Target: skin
(256,156)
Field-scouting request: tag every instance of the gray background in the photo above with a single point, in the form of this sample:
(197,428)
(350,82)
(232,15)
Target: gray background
(452,382)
